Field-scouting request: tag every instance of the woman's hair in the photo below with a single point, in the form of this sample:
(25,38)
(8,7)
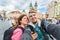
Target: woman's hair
(20,18)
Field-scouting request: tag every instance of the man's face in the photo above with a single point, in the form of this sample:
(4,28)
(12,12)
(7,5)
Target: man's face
(32,17)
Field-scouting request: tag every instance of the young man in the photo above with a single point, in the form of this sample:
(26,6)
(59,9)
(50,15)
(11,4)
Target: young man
(36,24)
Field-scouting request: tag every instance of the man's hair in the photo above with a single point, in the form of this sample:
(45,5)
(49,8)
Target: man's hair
(32,12)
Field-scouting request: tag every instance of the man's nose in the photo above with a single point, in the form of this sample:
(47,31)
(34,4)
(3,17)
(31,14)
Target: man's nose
(33,16)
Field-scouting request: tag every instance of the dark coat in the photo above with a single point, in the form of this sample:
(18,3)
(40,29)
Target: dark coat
(51,29)
(8,33)
(26,35)
(54,30)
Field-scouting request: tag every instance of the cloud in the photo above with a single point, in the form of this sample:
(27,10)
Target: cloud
(9,7)
(43,5)
(1,7)
(23,4)
(43,9)
(4,2)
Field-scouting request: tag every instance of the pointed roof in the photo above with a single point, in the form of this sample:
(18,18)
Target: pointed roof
(36,3)
(23,10)
(30,4)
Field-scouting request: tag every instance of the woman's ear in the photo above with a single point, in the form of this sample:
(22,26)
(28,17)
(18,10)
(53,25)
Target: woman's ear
(19,22)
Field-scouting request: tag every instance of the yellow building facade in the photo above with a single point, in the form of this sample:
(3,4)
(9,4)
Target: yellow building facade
(53,9)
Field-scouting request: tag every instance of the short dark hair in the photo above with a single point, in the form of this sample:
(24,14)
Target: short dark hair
(32,12)
(20,18)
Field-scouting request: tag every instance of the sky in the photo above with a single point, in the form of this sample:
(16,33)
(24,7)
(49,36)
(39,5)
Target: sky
(23,5)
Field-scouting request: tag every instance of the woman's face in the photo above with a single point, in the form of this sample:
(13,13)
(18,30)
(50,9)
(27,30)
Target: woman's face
(24,20)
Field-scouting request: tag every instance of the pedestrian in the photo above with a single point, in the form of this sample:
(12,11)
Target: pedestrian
(8,33)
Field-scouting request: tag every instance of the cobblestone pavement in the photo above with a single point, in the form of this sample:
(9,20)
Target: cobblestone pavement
(3,26)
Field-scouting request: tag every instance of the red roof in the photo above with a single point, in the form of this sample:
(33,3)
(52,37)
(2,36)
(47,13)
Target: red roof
(17,12)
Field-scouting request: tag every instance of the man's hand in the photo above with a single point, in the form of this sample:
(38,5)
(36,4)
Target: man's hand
(34,36)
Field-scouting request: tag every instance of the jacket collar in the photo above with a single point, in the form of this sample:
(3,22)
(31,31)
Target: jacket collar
(38,22)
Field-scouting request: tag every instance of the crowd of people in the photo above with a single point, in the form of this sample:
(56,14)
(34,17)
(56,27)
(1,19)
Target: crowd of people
(31,28)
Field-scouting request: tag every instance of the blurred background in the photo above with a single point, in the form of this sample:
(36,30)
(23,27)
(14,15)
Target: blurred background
(10,9)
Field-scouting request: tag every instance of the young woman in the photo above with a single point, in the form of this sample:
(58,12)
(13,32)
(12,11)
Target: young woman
(22,20)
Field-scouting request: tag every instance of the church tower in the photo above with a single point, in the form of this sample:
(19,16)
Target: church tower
(35,6)
(31,6)
(33,9)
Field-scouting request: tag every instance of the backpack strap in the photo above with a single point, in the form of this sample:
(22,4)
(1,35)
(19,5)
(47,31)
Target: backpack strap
(21,28)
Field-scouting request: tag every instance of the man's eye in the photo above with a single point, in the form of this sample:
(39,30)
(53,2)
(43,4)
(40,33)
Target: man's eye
(30,16)
(33,15)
